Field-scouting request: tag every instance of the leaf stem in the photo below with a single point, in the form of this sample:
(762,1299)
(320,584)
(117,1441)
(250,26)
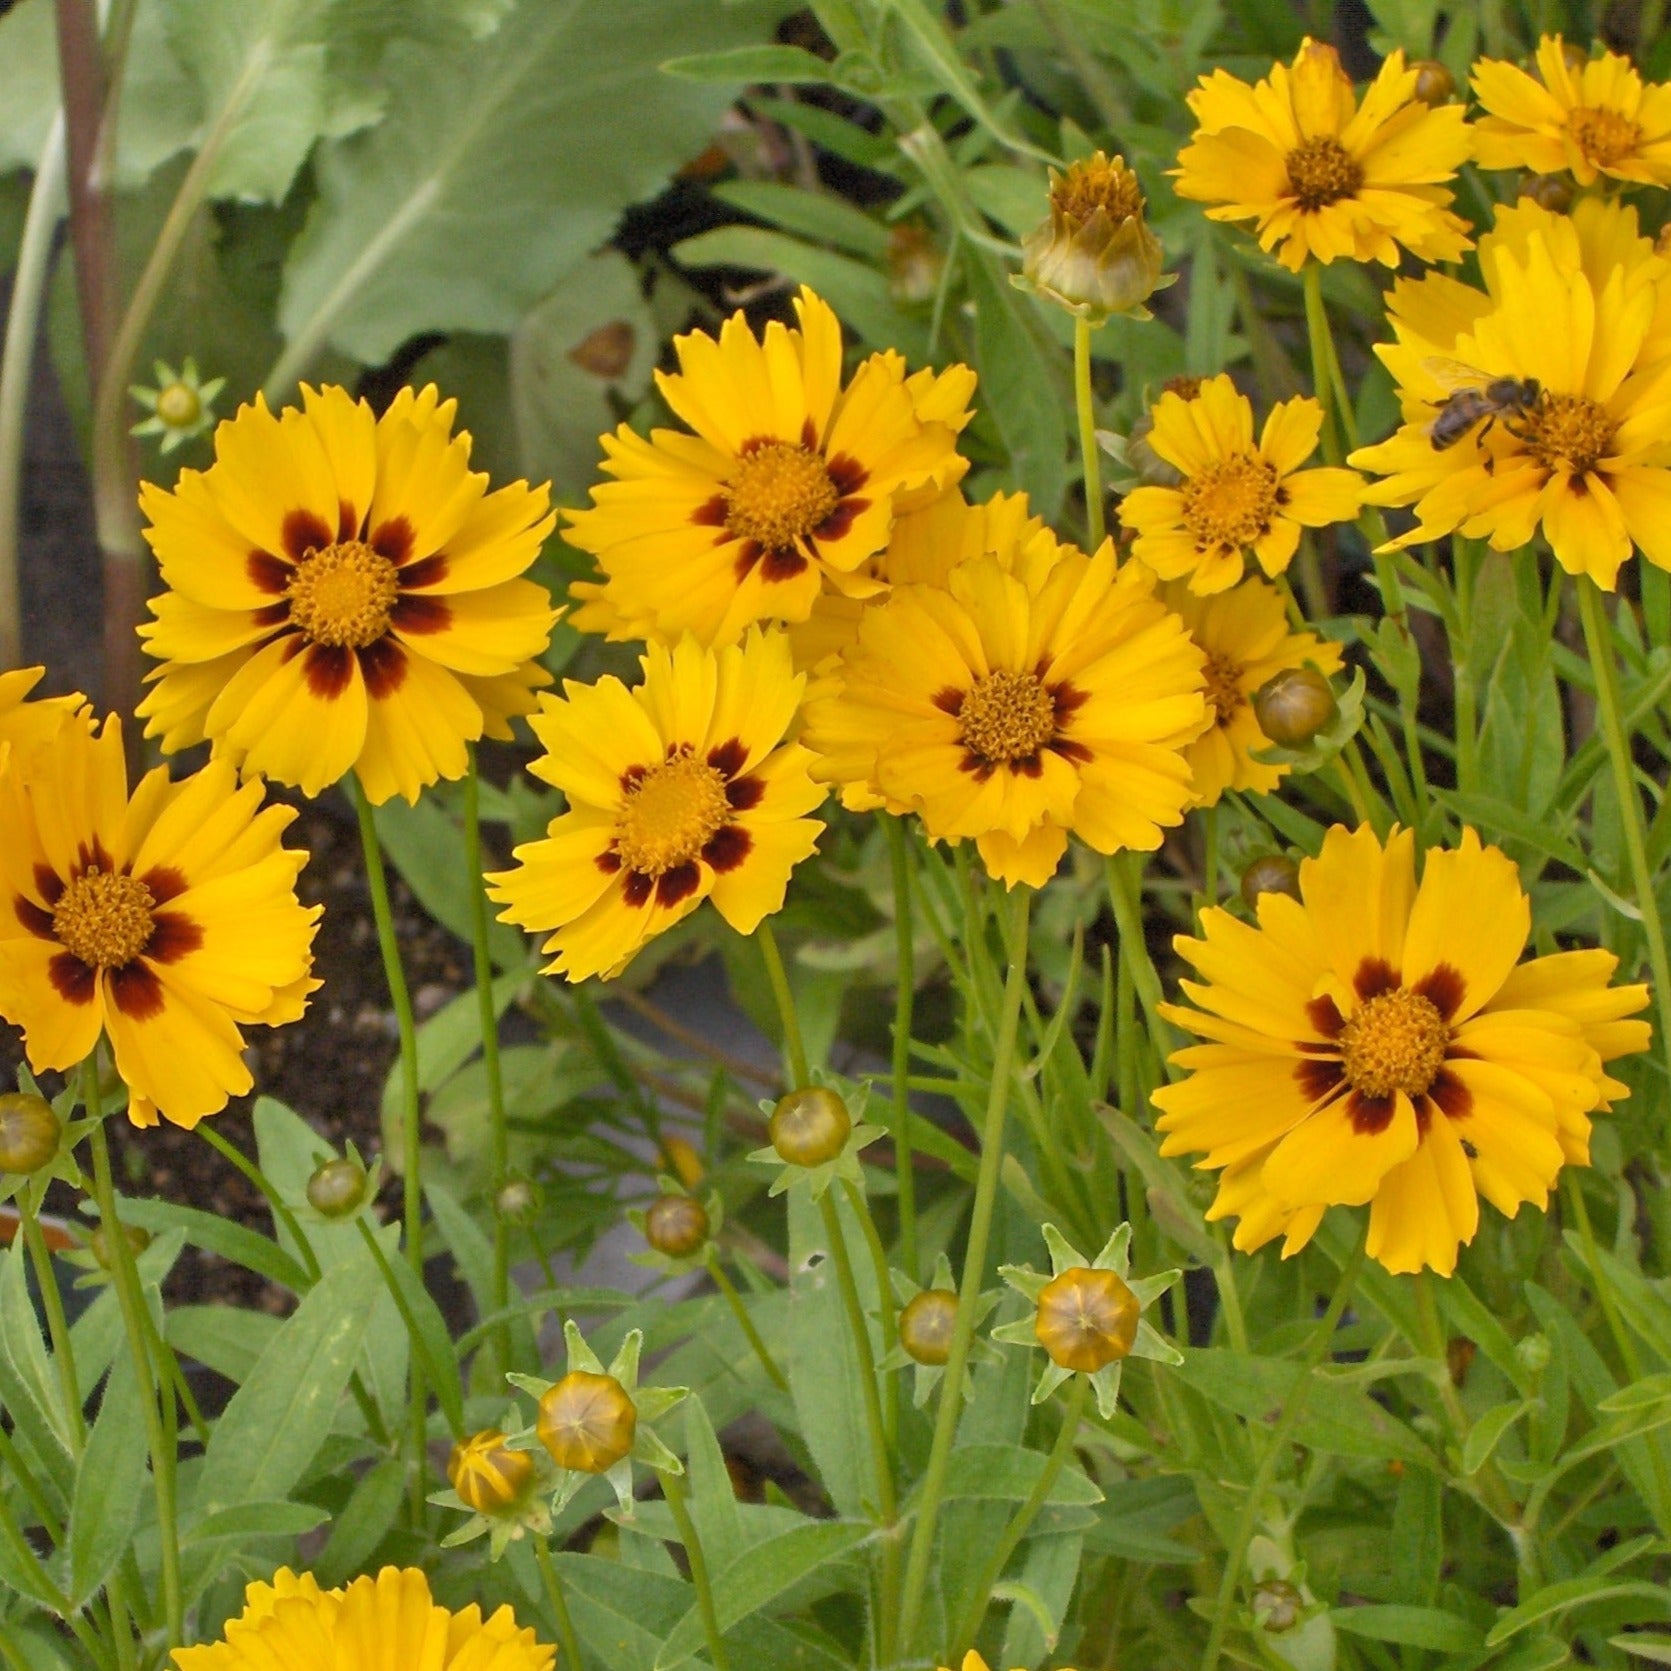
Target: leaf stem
(905,975)
(566,1637)
(276,1203)
(673,1487)
(794,1048)
(974,1270)
(52,1301)
(746,1323)
(1094,524)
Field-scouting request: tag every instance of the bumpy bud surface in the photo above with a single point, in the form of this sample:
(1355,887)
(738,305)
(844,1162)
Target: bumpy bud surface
(1094,253)
(1435,85)
(810,1126)
(926,1324)
(676,1225)
(1293,706)
(337,1188)
(29,1132)
(488,1476)
(1271,873)
(1086,1319)
(587,1422)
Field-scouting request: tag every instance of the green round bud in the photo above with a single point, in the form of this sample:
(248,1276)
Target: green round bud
(1533,1353)
(810,1126)
(1294,705)
(337,1189)
(1271,873)
(1435,85)
(29,1133)
(179,405)
(676,1226)
(99,1243)
(926,1325)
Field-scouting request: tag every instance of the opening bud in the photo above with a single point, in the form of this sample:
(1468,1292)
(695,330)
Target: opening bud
(1277,1604)
(587,1422)
(1435,85)
(99,1243)
(809,1127)
(337,1189)
(676,1225)
(29,1133)
(1271,873)
(1094,253)
(1087,1319)
(1294,705)
(926,1324)
(488,1476)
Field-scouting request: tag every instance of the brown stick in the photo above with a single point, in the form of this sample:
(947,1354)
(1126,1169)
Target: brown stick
(82,76)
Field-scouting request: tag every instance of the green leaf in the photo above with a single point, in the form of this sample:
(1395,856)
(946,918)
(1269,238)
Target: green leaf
(221,1236)
(821,216)
(29,88)
(790,65)
(473,1255)
(499,167)
(1008,1473)
(278,1419)
(248,1521)
(1484,1434)
(365,1520)
(1415,1627)
(223,1338)
(713,1496)
(28,1385)
(109,1484)
(1645,1645)
(431,1338)
(759,1576)
(1563,1597)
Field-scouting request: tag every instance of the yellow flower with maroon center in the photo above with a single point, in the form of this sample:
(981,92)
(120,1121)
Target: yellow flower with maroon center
(1245,637)
(1378,1041)
(788,486)
(388,1623)
(1323,177)
(1236,495)
(679,791)
(1576,312)
(1017,704)
(344,595)
(166,921)
(1592,116)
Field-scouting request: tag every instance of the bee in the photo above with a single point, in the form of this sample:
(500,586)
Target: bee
(1476,397)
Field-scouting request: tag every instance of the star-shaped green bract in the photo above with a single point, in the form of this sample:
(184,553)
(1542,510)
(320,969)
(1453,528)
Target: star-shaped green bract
(1115,1257)
(928,1374)
(651,1403)
(175,434)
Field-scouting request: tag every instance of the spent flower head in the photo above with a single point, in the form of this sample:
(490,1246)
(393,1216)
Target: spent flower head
(1088,1315)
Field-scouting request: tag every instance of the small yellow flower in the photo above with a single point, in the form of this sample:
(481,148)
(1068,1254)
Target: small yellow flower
(788,486)
(1595,116)
(1379,1042)
(1245,637)
(387,1623)
(678,791)
(1235,496)
(1323,177)
(1094,253)
(344,594)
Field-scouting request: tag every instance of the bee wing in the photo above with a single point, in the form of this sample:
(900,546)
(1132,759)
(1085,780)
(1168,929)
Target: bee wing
(1452,375)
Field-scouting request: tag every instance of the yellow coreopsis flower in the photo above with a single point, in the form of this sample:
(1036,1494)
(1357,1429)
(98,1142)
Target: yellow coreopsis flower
(1013,706)
(167,920)
(1594,116)
(1323,177)
(1245,637)
(789,485)
(387,1623)
(1378,1041)
(680,790)
(24,722)
(344,595)
(1576,316)
(1236,496)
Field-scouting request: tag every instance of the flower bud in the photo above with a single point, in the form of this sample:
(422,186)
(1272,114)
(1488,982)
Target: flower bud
(1094,253)
(517,1202)
(1270,873)
(1086,1319)
(99,1243)
(926,1324)
(1533,1353)
(29,1132)
(810,1126)
(1575,56)
(337,1189)
(1435,85)
(1145,463)
(179,406)
(1293,706)
(587,1422)
(915,263)
(685,1161)
(1553,192)
(1277,1604)
(486,1474)
(676,1225)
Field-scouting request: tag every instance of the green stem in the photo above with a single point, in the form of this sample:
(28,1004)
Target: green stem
(32,1489)
(746,1323)
(1024,1517)
(1321,343)
(1465,561)
(499,1134)
(276,1203)
(1322,1337)
(1598,640)
(420,1347)
(411,1114)
(57,1324)
(673,1488)
(794,1050)
(1094,524)
(566,1638)
(905,976)
(1125,894)
(974,1271)
(131,1299)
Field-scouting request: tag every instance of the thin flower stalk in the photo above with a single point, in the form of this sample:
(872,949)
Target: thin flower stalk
(674,1489)
(1094,520)
(566,1637)
(905,989)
